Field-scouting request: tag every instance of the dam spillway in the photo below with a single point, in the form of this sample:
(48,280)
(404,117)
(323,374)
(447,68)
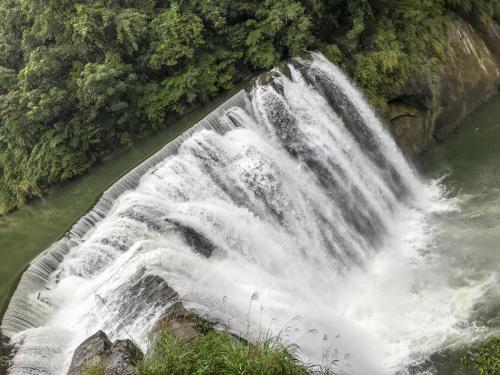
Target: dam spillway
(290,190)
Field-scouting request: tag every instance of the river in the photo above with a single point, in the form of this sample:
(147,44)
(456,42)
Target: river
(467,164)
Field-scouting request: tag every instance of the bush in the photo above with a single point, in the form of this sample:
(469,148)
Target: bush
(215,353)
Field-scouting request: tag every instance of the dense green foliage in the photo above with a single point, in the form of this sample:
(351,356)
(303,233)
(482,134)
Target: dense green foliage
(215,353)
(484,358)
(79,78)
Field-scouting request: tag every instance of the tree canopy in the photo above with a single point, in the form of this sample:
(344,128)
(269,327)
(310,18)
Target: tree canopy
(79,78)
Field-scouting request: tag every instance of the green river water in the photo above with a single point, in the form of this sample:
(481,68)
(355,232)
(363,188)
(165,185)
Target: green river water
(469,238)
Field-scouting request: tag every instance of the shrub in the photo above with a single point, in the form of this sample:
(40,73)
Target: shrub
(216,353)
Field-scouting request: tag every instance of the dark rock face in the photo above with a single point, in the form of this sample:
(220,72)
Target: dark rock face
(179,322)
(3,339)
(5,354)
(412,126)
(151,292)
(491,36)
(4,343)
(123,360)
(432,103)
(119,358)
(91,353)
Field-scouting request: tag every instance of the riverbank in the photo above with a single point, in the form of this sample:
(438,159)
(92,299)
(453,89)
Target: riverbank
(69,96)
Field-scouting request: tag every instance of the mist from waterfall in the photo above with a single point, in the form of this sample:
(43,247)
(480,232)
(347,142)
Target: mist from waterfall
(293,193)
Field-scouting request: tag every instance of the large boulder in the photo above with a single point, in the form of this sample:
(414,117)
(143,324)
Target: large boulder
(178,322)
(90,353)
(433,102)
(119,358)
(123,360)
(411,125)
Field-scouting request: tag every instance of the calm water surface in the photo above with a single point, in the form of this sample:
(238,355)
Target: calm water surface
(469,237)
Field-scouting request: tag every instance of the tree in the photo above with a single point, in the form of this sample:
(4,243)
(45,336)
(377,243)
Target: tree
(175,36)
(281,28)
(79,77)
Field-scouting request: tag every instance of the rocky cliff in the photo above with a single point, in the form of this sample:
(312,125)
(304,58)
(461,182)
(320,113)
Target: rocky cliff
(434,101)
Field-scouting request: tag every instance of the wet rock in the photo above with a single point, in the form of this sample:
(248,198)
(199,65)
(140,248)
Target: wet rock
(151,292)
(91,353)
(491,35)
(470,78)
(179,322)
(123,360)
(4,343)
(5,353)
(268,77)
(418,91)
(118,358)
(412,126)
(432,103)
(186,325)
(196,240)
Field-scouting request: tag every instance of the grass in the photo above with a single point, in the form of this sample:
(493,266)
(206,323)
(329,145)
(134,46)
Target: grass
(219,353)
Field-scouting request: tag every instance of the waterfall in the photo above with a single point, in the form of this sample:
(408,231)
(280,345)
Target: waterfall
(294,190)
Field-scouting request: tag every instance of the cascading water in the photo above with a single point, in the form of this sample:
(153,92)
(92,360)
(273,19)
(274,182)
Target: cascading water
(294,191)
